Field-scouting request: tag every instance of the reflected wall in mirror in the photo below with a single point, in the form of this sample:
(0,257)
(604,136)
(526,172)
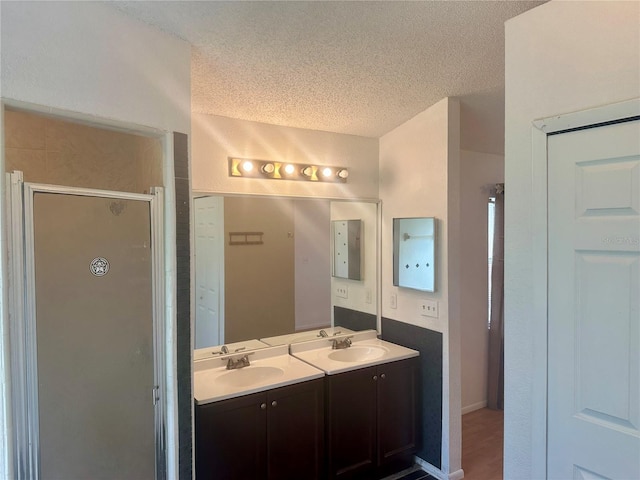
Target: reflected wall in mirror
(282,284)
(347,249)
(414,242)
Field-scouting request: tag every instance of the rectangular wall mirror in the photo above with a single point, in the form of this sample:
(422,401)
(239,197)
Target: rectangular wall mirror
(347,249)
(263,266)
(414,244)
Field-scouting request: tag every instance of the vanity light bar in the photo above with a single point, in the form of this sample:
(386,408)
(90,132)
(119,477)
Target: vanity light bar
(251,168)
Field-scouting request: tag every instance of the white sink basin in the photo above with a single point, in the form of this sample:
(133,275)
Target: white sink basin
(358,353)
(271,367)
(247,376)
(366,350)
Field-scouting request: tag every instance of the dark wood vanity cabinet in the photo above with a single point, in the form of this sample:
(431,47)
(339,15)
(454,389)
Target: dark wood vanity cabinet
(277,434)
(397,415)
(372,420)
(231,438)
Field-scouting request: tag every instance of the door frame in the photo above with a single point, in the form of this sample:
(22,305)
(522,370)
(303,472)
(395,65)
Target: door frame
(540,130)
(23,321)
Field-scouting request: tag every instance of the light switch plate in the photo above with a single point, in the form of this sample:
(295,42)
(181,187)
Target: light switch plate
(342,291)
(428,308)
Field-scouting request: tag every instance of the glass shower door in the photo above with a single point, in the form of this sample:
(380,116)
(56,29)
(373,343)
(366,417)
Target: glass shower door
(94,332)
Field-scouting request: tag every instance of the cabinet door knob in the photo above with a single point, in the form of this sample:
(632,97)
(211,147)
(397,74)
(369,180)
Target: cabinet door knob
(263,406)
(383,376)
(375,377)
(274,404)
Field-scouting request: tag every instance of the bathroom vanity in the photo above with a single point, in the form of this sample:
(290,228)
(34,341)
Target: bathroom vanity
(342,406)
(376,434)
(370,404)
(273,434)
(258,414)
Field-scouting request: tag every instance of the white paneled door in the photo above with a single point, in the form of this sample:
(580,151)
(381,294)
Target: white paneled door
(209,261)
(594,294)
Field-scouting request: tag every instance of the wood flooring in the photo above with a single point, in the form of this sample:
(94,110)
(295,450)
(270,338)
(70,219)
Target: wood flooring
(482,442)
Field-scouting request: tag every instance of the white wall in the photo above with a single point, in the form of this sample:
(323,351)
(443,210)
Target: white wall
(215,138)
(560,57)
(87,58)
(90,58)
(420,177)
(479,172)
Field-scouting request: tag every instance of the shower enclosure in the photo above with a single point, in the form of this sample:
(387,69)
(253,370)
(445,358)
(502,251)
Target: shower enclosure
(87,339)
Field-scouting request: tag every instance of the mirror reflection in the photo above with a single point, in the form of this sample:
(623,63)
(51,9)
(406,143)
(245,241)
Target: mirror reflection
(347,251)
(263,267)
(414,253)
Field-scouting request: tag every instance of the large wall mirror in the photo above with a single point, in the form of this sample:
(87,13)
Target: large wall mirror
(263,265)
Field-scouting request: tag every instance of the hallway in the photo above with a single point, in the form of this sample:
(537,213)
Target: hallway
(482,444)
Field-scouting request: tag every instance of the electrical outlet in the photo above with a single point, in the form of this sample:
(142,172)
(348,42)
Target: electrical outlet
(428,308)
(342,291)
(393,300)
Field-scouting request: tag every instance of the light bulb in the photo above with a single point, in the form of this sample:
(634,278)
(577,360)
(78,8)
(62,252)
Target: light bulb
(326,172)
(343,173)
(247,166)
(289,169)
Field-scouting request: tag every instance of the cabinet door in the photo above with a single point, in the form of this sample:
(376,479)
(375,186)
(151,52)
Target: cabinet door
(351,420)
(397,413)
(231,438)
(295,431)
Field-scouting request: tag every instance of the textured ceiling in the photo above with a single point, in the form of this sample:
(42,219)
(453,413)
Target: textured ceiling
(359,68)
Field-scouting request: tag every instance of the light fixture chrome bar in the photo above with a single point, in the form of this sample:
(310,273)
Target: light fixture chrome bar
(252,168)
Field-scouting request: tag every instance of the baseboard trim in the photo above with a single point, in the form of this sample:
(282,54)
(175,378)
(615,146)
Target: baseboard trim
(457,475)
(430,469)
(473,407)
(437,473)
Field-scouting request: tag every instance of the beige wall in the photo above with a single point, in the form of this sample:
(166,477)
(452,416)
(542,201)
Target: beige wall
(479,172)
(259,279)
(57,152)
(215,138)
(420,177)
(560,57)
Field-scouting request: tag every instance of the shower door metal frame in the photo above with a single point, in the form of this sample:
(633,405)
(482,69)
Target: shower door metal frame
(23,320)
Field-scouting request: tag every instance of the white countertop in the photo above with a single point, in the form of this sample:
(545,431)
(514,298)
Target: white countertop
(208,352)
(302,336)
(213,382)
(318,353)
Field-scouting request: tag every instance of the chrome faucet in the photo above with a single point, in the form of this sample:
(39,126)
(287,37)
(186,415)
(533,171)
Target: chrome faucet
(224,349)
(323,334)
(340,343)
(235,362)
